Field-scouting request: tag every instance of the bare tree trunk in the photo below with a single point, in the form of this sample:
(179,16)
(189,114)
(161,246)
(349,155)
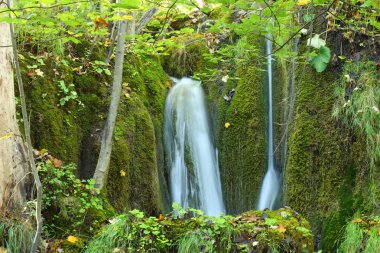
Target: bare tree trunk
(13,158)
(101,170)
(145,18)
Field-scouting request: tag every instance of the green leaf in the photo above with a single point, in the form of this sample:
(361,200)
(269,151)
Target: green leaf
(321,60)
(127,4)
(308,17)
(107,71)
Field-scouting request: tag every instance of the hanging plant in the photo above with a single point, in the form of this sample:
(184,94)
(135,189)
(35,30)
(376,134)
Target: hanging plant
(323,55)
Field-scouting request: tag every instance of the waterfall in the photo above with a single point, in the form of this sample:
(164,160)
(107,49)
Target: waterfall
(270,187)
(192,157)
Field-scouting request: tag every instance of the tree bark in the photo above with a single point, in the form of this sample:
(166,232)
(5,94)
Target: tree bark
(145,18)
(102,166)
(13,158)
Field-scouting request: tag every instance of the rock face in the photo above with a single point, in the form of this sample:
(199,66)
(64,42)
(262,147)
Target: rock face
(71,131)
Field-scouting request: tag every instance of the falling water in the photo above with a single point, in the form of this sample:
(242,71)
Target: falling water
(194,171)
(270,187)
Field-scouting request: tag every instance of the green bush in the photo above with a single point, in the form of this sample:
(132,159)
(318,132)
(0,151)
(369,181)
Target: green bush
(70,205)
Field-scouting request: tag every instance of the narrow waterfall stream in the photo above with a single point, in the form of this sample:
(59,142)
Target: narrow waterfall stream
(271,185)
(193,159)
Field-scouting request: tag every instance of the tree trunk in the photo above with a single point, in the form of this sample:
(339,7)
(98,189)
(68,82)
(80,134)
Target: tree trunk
(101,170)
(13,158)
(145,18)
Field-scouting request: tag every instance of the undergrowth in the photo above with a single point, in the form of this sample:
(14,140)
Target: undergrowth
(358,106)
(192,231)
(16,236)
(362,235)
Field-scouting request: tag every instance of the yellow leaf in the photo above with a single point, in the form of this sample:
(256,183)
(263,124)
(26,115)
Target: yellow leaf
(126,17)
(281,228)
(43,151)
(127,95)
(357,221)
(122,173)
(227,124)
(7,136)
(72,239)
(303,2)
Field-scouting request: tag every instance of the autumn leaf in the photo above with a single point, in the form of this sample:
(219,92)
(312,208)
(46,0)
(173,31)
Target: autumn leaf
(30,73)
(281,228)
(357,221)
(160,217)
(57,163)
(127,95)
(72,239)
(98,21)
(122,173)
(227,124)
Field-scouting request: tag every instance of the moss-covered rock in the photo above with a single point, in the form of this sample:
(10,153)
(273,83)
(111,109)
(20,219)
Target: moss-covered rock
(72,130)
(243,144)
(283,230)
(185,57)
(327,172)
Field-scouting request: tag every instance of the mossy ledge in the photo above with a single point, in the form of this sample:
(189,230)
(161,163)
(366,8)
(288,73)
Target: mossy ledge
(282,230)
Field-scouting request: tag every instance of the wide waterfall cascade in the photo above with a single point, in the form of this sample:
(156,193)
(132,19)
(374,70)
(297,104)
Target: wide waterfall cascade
(193,159)
(271,184)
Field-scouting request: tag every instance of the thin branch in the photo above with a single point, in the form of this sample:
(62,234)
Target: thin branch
(166,20)
(43,7)
(274,15)
(45,41)
(145,18)
(299,30)
(113,38)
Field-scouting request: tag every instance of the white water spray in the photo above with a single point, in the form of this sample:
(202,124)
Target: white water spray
(194,171)
(270,187)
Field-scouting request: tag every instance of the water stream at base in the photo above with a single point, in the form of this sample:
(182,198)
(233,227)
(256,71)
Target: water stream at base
(193,159)
(271,185)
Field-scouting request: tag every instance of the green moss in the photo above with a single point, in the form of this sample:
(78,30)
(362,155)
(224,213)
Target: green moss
(315,169)
(137,148)
(326,175)
(186,56)
(52,126)
(243,145)
(135,156)
(253,231)
(72,132)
